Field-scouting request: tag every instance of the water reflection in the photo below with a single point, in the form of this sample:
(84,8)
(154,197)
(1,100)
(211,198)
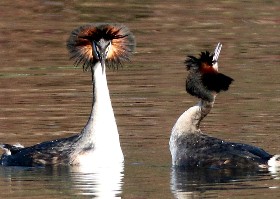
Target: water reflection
(98,182)
(199,182)
(101,181)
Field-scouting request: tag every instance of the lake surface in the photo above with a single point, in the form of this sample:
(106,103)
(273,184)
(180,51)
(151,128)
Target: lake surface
(44,97)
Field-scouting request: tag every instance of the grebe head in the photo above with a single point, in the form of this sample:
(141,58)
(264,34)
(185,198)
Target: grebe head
(203,80)
(92,43)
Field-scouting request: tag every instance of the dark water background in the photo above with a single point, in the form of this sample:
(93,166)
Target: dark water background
(43,97)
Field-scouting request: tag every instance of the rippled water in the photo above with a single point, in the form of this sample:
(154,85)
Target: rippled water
(43,97)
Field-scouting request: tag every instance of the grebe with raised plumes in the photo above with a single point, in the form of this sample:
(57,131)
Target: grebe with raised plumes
(189,147)
(93,46)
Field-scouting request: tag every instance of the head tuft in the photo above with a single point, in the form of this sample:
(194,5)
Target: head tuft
(203,78)
(205,59)
(81,40)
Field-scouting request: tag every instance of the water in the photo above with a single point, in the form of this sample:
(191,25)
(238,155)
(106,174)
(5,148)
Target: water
(44,97)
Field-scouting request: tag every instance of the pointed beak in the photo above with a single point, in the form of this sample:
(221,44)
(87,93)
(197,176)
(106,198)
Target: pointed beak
(100,50)
(102,59)
(216,56)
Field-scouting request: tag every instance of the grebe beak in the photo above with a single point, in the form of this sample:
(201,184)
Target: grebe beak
(102,59)
(100,51)
(216,56)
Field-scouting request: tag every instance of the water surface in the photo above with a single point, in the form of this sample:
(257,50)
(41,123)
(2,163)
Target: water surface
(44,97)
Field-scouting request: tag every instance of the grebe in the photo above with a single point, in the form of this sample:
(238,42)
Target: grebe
(189,147)
(92,46)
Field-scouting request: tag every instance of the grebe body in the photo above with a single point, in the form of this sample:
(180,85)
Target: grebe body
(93,46)
(189,147)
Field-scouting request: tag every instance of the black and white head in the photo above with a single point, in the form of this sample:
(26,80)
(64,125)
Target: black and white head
(105,43)
(204,80)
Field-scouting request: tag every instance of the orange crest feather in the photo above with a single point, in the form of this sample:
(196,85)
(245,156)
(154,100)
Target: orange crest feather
(81,40)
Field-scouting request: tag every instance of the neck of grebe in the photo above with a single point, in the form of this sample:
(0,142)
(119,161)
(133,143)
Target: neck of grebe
(190,120)
(188,123)
(101,129)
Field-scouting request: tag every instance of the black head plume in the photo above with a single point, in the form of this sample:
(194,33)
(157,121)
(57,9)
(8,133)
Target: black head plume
(81,40)
(193,63)
(204,79)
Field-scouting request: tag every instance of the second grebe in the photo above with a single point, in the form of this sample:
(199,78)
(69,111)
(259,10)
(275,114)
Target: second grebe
(189,147)
(90,45)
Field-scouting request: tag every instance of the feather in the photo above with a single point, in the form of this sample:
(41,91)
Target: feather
(81,39)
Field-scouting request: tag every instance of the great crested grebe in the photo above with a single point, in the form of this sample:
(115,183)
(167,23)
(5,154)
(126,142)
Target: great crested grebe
(92,46)
(189,147)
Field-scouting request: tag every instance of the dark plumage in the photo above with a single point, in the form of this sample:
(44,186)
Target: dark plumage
(203,79)
(54,152)
(81,39)
(200,150)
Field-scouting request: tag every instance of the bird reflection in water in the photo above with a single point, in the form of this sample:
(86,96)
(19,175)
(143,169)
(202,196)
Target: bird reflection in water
(100,182)
(201,182)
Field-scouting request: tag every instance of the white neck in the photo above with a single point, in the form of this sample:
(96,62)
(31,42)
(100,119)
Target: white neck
(190,120)
(102,115)
(101,129)
(188,123)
